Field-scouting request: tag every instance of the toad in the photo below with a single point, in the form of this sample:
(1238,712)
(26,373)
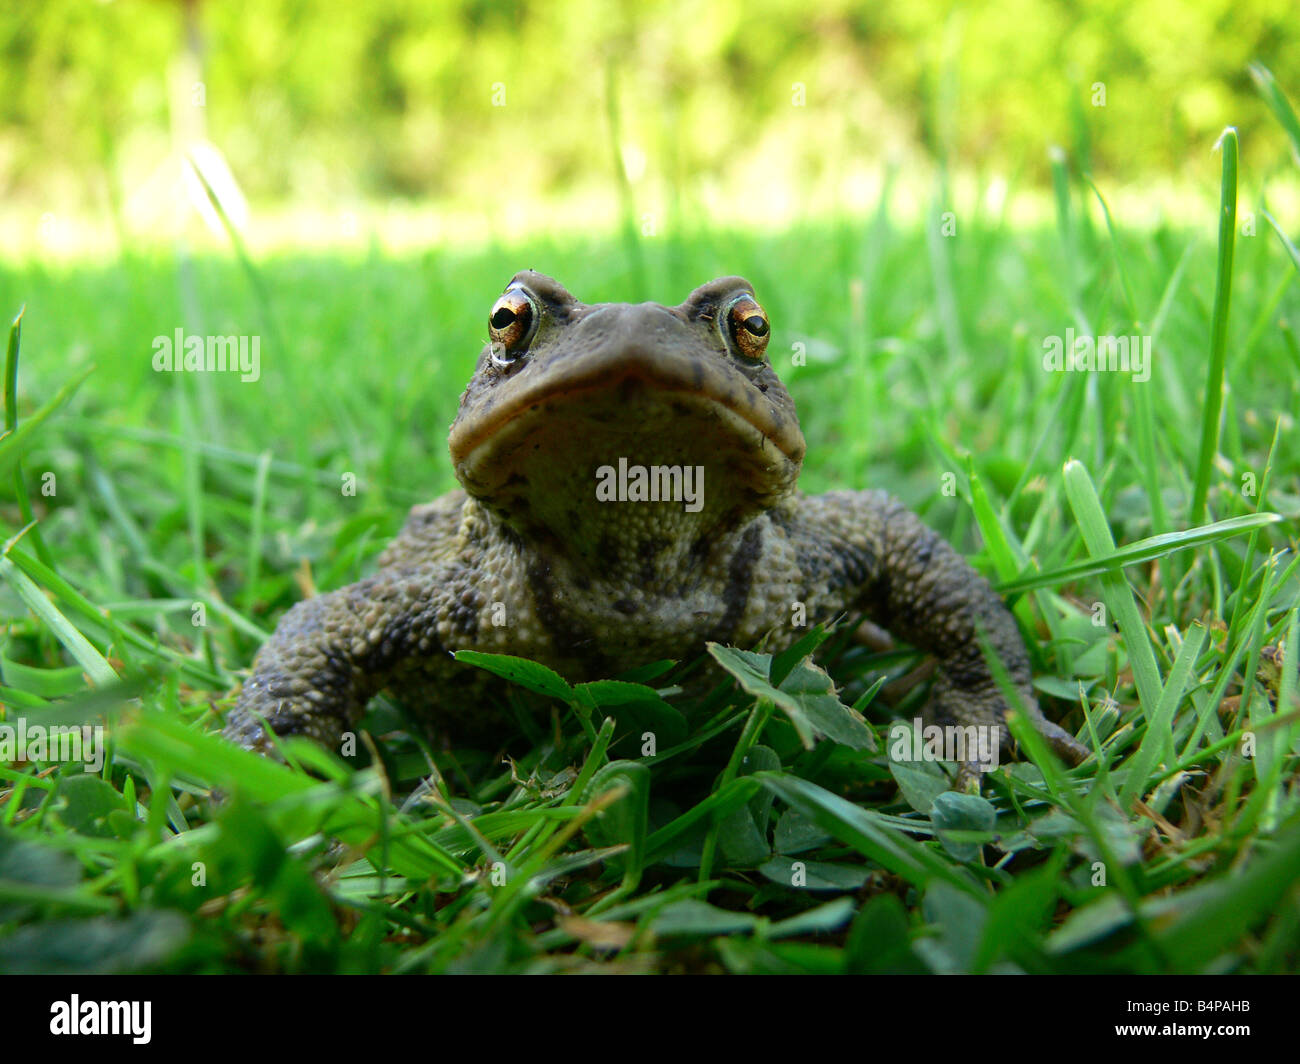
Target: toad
(628,493)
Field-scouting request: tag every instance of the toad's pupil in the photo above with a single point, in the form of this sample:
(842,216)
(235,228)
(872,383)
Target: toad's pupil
(756,325)
(503,317)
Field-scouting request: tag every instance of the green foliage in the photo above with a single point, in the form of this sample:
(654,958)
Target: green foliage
(332,102)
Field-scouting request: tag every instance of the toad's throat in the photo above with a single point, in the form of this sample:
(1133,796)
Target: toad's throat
(630,445)
(628,476)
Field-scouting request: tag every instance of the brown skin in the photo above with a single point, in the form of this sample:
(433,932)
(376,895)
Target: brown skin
(526,560)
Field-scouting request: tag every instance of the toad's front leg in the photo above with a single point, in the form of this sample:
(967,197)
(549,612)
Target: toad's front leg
(330,654)
(885,562)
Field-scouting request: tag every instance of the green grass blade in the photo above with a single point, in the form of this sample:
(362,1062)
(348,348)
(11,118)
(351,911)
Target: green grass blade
(1278,104)
(1116,592)
(11,371)
(1158,739)
(76,644)
(14,444)
(1292,251)
(1144,550)
(1219,328)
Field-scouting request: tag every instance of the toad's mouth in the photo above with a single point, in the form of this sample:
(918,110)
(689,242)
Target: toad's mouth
(553,433)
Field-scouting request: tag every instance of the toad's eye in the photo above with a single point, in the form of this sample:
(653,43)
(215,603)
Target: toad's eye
(511,325)
(747,328)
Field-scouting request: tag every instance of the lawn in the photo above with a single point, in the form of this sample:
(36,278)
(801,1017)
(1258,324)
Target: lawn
(1152,568)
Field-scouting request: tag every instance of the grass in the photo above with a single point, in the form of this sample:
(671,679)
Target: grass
(1152,567)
